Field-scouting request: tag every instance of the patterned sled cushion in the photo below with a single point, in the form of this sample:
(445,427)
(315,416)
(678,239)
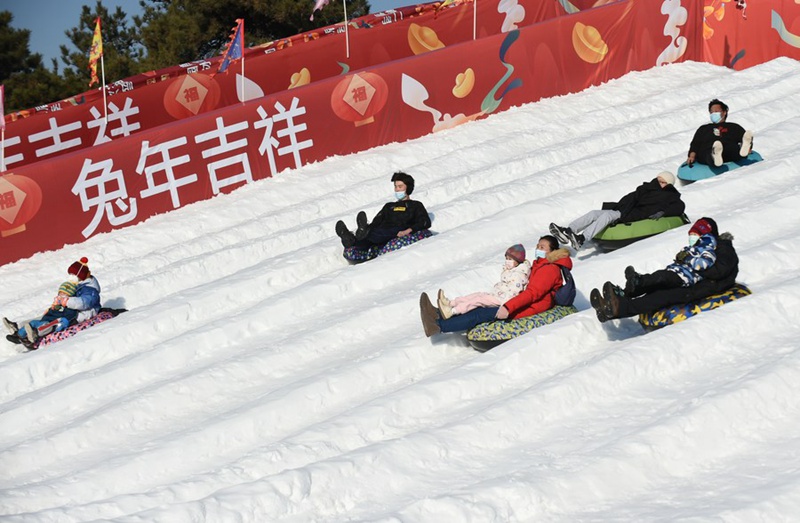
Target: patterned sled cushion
(506,330)
(678,313)
(356,255)
(72,330)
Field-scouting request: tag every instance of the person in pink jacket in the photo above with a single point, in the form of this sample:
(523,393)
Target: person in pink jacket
(513,279)
(538,296)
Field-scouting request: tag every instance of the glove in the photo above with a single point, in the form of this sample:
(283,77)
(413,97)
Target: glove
(502,313)
(61,300)
(657,215)
(681,256)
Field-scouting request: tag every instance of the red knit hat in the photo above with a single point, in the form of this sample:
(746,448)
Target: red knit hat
(80,269)
(516,253)
(701,227)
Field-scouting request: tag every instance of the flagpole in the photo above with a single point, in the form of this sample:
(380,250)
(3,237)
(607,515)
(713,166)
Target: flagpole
(474,19)
(346,33)
(103,73)
(241,81)
(3,128)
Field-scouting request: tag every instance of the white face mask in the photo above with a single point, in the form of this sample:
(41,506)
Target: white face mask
(538,253)
(72,278)
(693,239)
(510,264)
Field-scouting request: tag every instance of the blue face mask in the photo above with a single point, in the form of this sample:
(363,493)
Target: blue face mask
(693,239)
(715,117)
(538,253)
(400,195)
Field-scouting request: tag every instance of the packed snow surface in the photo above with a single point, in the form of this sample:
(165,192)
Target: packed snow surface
(259,377)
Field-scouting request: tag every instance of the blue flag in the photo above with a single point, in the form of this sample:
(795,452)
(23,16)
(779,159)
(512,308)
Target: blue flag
(235,47)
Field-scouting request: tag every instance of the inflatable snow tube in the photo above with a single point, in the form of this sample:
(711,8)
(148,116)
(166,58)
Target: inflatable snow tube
(489,335)
(678,313)
(358,255)
(72,330)
(700,171)
(623,234)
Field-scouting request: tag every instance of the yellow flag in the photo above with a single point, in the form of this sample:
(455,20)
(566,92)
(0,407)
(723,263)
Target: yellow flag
(95,52)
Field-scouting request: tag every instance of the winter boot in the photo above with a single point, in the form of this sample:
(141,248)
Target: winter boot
(561,233)
(347,237)
(429,316)
(576,240)
(596,299)
(747,144)
(13,338)
(633,281)
(10,326)
(716,153)
(444,305)
(612,295)
(31,337)
(363,227)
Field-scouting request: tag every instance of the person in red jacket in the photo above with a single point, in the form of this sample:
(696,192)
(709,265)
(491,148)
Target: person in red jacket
(538,296)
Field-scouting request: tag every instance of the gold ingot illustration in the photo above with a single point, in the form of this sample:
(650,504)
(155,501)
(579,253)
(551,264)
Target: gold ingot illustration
(423,39)
(708,32)
(464,83)
(588,43)
(301,78)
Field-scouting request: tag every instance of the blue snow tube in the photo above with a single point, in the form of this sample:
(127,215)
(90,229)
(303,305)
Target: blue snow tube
(700,171)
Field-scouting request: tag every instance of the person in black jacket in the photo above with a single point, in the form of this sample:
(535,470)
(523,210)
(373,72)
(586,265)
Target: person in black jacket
(719,141)
(636,299)
(395,220)
(652,199)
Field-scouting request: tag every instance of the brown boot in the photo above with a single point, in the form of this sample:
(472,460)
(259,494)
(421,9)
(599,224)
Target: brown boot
(611,299)
(596,299)
(429,316)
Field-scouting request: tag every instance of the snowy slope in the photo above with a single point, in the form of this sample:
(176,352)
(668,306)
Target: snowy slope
(258,377)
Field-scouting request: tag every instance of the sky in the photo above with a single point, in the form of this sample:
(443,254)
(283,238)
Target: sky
(48,20)
(259,377)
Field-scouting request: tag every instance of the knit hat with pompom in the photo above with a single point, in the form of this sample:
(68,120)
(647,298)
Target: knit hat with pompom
(80,269)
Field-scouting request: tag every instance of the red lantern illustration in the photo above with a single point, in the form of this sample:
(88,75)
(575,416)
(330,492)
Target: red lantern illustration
(20,200)
(359,97)
(190,95)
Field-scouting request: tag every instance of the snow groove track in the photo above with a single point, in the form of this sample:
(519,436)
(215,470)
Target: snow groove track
(259,377)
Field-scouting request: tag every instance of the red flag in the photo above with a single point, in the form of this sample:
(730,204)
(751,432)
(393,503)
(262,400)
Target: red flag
(235,46)
(95,52)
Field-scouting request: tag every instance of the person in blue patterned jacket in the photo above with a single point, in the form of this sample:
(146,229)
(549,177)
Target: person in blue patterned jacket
(78,300)
(645,293)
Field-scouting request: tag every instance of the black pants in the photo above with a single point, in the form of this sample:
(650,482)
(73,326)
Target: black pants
(666,297)
(730,153)
(655,281)
(377,237)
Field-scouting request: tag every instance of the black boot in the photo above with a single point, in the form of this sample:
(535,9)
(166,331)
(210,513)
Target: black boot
(347,237)
(633,281)
(363,227)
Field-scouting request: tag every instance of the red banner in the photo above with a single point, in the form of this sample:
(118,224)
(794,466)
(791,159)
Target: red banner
(750,35)
(148,101)
(125,181)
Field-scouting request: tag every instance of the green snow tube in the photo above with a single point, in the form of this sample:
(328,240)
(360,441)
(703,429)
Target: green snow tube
(623,234)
